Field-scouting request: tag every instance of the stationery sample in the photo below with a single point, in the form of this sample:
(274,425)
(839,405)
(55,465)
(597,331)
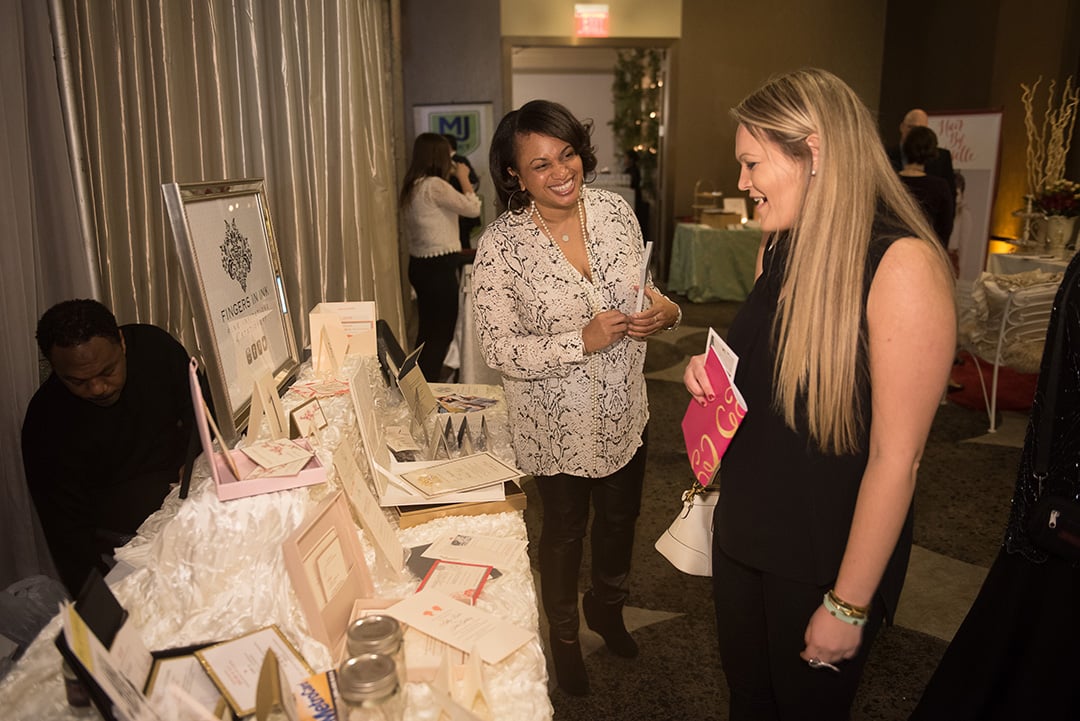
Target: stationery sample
(464,627)
(306,418)
(123,678)
(188,674)
(483,550)
(114,690)
(326,565)
(400,440)
(357,318)
(320,388)
(461,581)
(265,403)
(235,665)
(383,536)
(640,304)
(389,351)
(414,387)
(708,429)
(329,343)
(271,454)
(464,439)
(460,474)
(232,470)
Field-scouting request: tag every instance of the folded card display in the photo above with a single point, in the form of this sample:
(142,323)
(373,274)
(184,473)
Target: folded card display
(231,469)
(358,319)
(326,565)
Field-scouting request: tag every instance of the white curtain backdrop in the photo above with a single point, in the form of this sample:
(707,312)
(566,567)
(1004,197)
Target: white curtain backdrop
(44,260)
(298,92)
(293,91)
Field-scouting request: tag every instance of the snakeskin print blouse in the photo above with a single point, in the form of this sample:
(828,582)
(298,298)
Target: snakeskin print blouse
(570,412)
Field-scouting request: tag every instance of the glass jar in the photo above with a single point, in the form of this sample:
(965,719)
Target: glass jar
(369,686)
(379,634)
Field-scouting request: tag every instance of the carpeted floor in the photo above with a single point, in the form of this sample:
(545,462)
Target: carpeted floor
(961,504)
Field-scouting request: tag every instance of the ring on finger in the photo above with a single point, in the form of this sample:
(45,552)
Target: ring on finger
(816,663)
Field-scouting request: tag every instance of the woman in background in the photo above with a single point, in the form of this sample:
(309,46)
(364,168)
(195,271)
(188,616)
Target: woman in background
(844,345)
(555,288)
(430,208)
(933,194)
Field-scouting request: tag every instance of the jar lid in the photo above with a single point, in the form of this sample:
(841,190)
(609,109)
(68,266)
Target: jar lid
(368,677)
(374,634)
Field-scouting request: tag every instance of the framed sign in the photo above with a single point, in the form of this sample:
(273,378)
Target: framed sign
(974,139)
(229,259)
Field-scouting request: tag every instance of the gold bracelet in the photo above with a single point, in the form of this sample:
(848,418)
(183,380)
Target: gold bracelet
(848,609)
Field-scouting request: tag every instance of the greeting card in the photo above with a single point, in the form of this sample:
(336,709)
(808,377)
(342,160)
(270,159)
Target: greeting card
(708,429)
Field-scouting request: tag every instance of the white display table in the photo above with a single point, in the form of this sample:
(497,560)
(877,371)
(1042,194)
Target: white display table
(204,570)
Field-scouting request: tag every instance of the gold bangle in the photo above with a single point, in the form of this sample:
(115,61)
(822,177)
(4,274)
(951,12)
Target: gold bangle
(848,609)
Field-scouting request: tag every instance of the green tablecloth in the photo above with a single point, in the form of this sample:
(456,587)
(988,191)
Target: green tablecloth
(710,264)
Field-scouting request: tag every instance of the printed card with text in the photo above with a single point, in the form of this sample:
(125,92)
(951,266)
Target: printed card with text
(708,429)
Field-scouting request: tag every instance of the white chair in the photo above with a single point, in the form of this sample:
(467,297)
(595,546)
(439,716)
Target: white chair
(1003,321)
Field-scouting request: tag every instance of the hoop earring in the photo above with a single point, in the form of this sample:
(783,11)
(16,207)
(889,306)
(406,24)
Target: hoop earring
(510,201)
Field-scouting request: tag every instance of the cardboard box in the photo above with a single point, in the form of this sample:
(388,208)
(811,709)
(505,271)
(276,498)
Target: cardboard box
(720,219)
(415,515)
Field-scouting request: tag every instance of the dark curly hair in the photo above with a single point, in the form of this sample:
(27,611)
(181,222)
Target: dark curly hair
(542,117)
(74,322)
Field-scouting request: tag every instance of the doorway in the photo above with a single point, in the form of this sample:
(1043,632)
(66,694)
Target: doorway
(580,73)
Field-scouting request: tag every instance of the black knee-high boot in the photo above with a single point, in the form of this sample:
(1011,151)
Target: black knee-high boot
(559,564)
(606,619)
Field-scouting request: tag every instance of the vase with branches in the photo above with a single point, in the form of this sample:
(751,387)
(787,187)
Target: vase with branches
(1048,142)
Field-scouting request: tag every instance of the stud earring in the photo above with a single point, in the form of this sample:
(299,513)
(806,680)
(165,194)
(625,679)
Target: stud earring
(813,172)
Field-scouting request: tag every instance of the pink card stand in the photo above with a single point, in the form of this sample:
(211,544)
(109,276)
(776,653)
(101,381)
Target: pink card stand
(227,485)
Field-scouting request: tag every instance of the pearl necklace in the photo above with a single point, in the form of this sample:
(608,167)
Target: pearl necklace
(565,236)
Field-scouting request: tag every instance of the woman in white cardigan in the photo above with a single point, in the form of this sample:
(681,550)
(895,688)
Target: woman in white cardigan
(430,207)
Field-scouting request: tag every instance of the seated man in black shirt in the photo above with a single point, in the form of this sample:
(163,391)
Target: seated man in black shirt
(106,435)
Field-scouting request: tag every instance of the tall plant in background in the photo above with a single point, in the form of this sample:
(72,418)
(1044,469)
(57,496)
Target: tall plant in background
(636,126)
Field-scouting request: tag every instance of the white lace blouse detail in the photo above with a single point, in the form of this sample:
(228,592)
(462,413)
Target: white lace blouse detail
(569,412)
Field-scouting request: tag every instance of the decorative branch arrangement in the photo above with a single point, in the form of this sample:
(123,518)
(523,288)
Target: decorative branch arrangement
(1048,144)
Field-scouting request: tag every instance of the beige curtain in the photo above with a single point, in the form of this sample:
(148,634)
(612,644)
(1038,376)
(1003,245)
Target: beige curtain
(297,92)
(43,254)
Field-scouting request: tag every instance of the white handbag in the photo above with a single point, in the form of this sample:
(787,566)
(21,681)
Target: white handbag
(687,543)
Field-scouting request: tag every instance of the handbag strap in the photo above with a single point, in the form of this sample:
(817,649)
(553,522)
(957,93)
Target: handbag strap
(1046,420)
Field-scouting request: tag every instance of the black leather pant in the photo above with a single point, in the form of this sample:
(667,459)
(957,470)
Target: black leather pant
(616,501)
(435,281)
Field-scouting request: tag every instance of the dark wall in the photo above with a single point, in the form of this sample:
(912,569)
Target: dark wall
(451,53)
(938,56)
(974,55)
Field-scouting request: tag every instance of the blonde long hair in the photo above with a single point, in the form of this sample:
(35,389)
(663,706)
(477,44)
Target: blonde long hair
(819,316)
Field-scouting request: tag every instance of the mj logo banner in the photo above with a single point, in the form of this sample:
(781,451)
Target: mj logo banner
(470,124)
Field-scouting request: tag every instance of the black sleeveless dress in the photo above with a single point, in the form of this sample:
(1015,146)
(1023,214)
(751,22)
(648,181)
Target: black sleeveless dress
(786,508)
(1015,655)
